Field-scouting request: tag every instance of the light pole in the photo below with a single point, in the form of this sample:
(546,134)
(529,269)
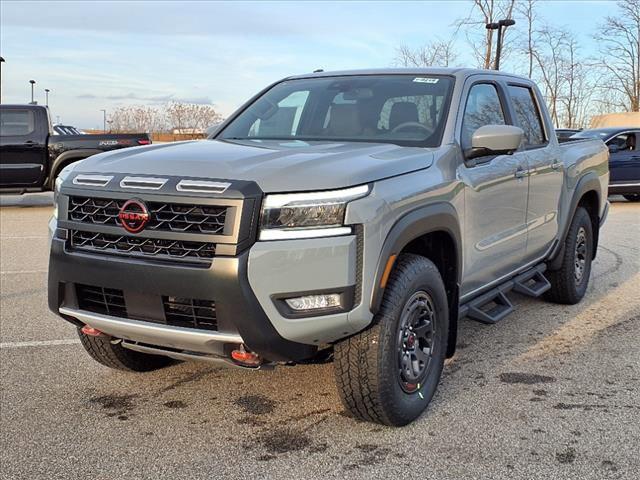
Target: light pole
(32,82)
(46,93)
(104,121)
(500,25)
(1,62)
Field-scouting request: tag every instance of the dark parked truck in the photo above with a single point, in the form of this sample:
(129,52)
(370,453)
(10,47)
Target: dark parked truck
(32,153)
(351,216)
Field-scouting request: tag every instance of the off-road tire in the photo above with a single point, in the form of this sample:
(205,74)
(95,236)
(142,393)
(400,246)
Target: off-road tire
(565,287)
(116,356)
(632,197)
(365,365)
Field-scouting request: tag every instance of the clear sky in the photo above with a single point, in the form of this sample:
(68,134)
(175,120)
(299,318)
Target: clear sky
(95,55)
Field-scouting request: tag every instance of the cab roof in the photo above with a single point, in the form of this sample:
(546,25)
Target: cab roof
(457,72)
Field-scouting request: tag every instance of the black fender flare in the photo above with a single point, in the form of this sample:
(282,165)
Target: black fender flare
(587,183)
(69,157)
(414,224)
(421,221)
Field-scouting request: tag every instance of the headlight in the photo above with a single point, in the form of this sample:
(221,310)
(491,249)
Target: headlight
(64,173)
(307,215)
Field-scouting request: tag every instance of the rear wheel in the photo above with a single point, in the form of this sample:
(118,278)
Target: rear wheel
(632,197)
(114,355)
(569,283)
(389,372)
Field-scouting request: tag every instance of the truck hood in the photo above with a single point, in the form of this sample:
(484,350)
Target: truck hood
(276,166)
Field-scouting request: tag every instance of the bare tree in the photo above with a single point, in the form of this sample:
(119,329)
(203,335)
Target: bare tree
(526,9)
(483,12)
(619,40)
(577,85)
(438,53)
(191,119)
(550,58)
(137,118)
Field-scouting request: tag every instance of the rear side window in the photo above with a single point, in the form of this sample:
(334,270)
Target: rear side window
(527,115)
(483,108)
(15,122)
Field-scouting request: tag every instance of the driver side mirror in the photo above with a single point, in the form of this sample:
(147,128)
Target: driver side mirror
(494,140)
(613,148)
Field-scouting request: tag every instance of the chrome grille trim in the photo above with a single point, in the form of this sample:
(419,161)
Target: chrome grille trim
(92,180)
(200,186)
(143,183)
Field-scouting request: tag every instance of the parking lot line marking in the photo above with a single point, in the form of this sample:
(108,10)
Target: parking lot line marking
(41,343)
(14,272)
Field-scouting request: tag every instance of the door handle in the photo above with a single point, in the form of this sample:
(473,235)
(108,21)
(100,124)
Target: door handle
(556,164)
(29,144)
(520,173)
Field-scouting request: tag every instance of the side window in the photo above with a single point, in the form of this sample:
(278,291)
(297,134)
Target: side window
(624,142)
(527,115)
(483,107)
(14,122)
(285,118)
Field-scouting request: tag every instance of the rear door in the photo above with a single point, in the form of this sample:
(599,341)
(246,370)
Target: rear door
(23,146)
(546,172)
(624,160)
(495,196)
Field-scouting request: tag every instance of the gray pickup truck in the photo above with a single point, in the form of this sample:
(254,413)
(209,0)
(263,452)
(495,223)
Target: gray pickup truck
(353,217)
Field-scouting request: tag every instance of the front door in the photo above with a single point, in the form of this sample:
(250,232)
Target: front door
(23,148)
(495,196)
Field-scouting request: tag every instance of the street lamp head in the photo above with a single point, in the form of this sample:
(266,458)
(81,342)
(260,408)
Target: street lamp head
(2,60)
(47,90)
(32,82)
(507,22)
(492,26)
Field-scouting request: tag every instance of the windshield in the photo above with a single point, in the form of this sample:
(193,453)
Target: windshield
(400,109)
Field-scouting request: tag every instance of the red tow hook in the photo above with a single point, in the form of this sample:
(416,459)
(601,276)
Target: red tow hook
(245,357)
(93,332)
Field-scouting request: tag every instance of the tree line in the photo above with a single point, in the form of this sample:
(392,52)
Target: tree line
(575,85)
(187,120)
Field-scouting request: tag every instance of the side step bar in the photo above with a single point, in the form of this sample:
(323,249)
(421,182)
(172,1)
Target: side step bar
(532,283)
(494,305)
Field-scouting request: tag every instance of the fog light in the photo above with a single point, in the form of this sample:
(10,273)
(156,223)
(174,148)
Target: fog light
(313,302)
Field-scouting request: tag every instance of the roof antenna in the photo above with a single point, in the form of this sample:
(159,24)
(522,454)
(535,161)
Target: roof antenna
(319,70)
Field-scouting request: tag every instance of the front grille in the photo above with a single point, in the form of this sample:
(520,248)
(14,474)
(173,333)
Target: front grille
(108,301)
(152,248)
(167,217)
(190,313)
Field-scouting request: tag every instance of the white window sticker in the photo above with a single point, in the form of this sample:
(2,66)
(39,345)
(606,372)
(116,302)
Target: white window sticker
(426,80)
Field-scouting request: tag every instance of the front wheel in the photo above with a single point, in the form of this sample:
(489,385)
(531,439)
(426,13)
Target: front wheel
(632,197)
(389,372)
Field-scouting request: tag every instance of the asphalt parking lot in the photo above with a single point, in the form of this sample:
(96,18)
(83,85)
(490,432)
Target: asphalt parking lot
(551,392)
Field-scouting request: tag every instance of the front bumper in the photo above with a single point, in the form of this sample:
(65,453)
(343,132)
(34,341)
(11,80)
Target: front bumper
(245,288)
(241,319)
